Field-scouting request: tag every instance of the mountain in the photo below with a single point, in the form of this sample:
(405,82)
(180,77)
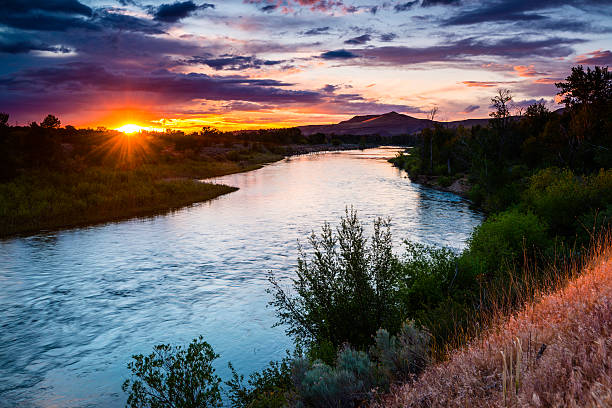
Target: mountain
(388,124)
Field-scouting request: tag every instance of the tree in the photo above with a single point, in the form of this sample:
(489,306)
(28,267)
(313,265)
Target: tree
(50,122)
(431,116)
(345,291)
(174,377)
(500,102)
(4,117)
(590,87)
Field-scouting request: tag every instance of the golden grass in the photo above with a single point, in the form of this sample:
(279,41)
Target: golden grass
(555,352)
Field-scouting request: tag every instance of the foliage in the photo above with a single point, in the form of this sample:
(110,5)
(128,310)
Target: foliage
(399,358)
(174,377)
(345,385)
(503,239)
(345,290)
(265,389)
(50,122)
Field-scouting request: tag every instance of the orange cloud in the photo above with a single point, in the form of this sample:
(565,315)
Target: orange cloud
(526,71)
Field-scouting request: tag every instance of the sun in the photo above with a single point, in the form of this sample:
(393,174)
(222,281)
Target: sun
(130,128)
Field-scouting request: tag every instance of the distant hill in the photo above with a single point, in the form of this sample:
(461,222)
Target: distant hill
(388,124)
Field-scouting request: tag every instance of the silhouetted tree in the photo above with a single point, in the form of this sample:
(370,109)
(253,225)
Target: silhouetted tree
(590,87)
(50,122)
(4,117)
(501,114)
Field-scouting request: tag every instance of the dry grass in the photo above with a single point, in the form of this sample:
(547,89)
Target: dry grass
(509,364)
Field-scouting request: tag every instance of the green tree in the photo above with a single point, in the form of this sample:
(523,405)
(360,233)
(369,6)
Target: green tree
(174,377)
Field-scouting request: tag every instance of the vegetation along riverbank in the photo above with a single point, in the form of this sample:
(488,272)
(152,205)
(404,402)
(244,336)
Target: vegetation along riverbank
(491,326)
(53,177)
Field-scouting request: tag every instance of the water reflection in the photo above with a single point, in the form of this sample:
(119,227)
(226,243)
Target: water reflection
(76,304)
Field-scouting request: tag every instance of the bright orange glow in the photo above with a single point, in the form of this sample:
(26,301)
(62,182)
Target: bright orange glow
(130,128)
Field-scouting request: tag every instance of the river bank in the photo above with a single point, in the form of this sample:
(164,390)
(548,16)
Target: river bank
(44,200)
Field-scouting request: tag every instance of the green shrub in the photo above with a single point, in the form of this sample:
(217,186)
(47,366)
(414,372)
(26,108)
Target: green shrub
(174,377)
(345,290)
(501,240)
(265,389)
(558,197)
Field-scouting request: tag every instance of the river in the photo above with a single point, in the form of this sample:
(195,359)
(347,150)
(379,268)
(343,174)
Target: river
(76,304)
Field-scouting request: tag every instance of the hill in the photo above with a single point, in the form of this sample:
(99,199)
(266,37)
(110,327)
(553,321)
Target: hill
(388,124)
(564,349)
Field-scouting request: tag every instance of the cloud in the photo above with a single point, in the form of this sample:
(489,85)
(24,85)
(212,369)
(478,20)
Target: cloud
(527,71)
(338,54)
(316,31)
(54,6)
(405,6)
(387,37)
(516,10)
(360,40)
(430,3)
(13,46)
(485,84)
(109,19)
(465,49)
(68,81)
(598,57)
(171,13)
(330,88)
(231,62)
(470,108)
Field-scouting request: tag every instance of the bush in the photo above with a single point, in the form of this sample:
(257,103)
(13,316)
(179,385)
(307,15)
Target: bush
(349,383)
(344,291)
(403,356)
(501,240)
(174,377)
(265,389)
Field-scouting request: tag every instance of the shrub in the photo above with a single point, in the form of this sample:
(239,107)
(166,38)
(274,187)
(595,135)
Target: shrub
(174,377)
(400,357)
(265,389)
(349,383)
(345,290)
(557,196)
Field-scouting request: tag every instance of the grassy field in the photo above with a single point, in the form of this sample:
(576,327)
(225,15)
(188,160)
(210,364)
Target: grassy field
(46,200)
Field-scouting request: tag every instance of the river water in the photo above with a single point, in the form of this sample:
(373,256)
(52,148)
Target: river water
(76,304)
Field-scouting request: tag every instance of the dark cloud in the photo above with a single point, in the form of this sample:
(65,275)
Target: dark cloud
(387,37)
(362,39)
(269,7)
(598,57)
(61,81)
(109,19)
(470,108)
(15,46)
(231,62)
(405,6)
(53,6)
(517,10)
(430,3)
(330,88)
(338,54)
(465,49)
(317,31)
(171,13)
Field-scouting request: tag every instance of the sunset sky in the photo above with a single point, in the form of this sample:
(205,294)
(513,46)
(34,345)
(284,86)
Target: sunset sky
(267,63)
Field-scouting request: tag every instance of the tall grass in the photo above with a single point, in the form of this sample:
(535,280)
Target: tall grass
(555,351)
